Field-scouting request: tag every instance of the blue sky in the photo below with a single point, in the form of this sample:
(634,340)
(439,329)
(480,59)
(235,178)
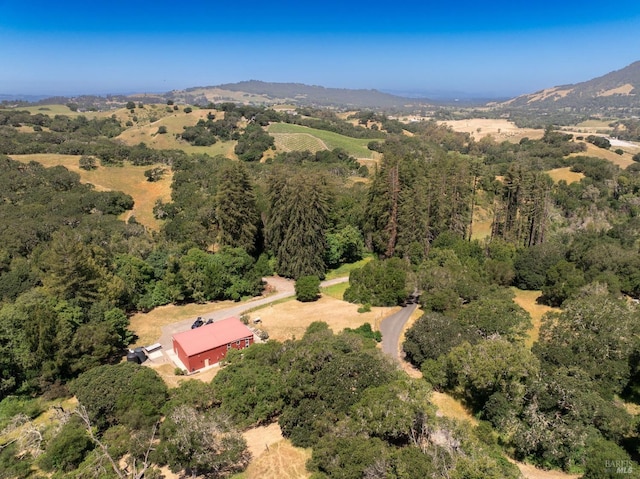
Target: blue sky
(483,48)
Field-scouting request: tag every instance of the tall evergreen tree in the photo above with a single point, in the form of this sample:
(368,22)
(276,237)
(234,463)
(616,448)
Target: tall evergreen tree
(236,212)
(297,221)
(522,208)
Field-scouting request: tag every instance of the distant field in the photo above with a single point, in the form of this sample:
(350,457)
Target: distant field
(622,161)
(355,146)
(599,124)
(128,179)
(175,122)
(52,110)
(499,129)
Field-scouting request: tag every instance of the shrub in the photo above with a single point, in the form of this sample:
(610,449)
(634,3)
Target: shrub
(154,174)
(87,163)
(365,308)
(162,130)
(307,288)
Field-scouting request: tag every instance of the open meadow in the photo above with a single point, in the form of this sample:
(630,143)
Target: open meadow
(499,129)
(129,179)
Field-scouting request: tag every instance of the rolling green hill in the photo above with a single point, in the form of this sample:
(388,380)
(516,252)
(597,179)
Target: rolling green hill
(295,137)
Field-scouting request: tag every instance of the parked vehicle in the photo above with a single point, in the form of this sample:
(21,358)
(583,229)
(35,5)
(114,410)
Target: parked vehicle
(197,323)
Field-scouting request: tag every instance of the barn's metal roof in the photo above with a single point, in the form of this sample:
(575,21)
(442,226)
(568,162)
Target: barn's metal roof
(211,336)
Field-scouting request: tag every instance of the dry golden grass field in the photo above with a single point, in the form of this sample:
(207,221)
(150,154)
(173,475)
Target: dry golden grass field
(147,133)
(275,458)
(128,179)
(621,160)
(290,319)
(565,174)
(527,300)
(499,129)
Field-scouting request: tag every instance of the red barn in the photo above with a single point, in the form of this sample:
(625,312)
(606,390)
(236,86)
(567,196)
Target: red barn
(208,344)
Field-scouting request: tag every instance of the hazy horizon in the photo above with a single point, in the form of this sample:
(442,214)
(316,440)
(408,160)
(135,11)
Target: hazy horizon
(478,50)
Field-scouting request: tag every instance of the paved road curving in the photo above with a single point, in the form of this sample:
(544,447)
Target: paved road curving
(391,329)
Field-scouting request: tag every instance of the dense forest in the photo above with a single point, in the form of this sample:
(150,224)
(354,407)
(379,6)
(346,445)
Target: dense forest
(72,273)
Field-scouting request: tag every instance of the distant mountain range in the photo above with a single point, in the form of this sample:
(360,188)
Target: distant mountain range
(615,92)
(299,94)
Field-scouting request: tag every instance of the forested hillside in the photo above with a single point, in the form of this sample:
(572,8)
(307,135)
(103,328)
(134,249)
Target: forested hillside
(72,273)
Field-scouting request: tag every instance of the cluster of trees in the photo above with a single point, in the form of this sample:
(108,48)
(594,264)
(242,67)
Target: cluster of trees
(337,161)
(128,424)
(338,394)
(553,405)
(90,139)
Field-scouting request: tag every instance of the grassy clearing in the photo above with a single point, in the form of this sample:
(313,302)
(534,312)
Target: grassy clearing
(128,179)
(335,291)
(291,319)
(344,269)
(565,174)
(354,146)
(622,161)
(602,124)
(527,300)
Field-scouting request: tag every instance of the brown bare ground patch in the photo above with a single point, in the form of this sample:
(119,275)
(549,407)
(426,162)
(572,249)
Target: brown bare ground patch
(527,300)
(291,319)
(565,174)
(281,461)
(259,439)
(129,179)
(148,326)
(499,129)
(532,472)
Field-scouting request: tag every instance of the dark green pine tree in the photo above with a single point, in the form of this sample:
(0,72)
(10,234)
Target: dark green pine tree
(297,222)
(236,213)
